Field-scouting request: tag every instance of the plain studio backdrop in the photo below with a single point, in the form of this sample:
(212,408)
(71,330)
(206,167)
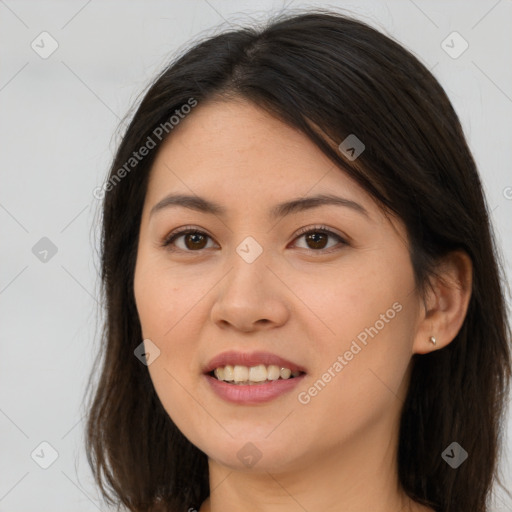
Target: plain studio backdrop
(70,72)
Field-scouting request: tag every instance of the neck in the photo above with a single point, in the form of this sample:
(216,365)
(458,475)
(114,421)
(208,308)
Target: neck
(360,475)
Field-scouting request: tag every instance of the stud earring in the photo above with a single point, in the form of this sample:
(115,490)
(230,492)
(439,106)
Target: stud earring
(432,340)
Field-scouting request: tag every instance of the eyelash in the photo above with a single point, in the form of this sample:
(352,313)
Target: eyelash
(304,231)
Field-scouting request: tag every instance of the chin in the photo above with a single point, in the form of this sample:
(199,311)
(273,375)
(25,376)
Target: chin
(248,453)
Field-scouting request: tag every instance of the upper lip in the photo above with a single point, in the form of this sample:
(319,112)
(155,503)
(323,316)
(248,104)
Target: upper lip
(250,359)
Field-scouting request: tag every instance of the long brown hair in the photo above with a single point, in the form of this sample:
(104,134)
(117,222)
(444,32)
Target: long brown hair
(338,74)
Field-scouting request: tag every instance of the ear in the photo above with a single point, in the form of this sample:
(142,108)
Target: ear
(445,304)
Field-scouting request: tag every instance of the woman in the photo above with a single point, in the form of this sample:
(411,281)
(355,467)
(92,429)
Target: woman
(304,308)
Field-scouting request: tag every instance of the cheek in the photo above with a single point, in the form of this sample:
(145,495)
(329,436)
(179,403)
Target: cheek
(358,385)
(166,315)
(165,298)
(169,307)
(343,303)
(364,339)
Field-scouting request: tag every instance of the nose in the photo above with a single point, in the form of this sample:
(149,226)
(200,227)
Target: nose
(251,297)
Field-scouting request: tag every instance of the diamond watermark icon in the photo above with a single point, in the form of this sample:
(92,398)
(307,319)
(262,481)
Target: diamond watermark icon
(147,352)
(44,455)
(249,455)
(44,250)
(249,249)
(454,455)
(352,147)
(44,45)
(454,45)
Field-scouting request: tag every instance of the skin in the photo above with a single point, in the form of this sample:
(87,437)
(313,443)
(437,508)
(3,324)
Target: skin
(307,304)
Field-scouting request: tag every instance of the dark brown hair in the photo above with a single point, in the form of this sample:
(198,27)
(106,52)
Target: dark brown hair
(329,76)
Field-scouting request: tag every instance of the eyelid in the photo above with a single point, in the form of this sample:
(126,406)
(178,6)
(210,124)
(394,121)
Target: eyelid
(321,228)
(184,230)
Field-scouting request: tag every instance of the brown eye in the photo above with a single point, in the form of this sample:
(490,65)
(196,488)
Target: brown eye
(317,239)
(193,240)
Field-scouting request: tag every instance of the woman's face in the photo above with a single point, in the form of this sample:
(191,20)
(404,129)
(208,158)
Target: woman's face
(338,305)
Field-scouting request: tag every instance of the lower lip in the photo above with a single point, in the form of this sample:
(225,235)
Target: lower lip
(252,393)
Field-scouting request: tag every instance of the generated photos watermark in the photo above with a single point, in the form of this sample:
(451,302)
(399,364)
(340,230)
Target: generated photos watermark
(158,134)
(304,397)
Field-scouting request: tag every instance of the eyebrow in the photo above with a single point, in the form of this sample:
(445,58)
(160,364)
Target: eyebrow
(280,210)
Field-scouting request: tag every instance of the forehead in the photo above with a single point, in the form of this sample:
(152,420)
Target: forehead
(236,150)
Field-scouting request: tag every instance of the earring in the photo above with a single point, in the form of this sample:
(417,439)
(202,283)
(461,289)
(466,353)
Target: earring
(432,340)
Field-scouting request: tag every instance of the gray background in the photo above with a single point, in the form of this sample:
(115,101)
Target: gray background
(58,130)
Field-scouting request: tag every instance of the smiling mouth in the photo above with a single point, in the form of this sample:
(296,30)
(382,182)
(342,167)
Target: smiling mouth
(253,375)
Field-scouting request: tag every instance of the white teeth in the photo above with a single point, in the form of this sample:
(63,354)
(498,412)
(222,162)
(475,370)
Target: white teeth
(273,372)
(255,374)
(241,373)
(285,373)
(258,373)
(228,373)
